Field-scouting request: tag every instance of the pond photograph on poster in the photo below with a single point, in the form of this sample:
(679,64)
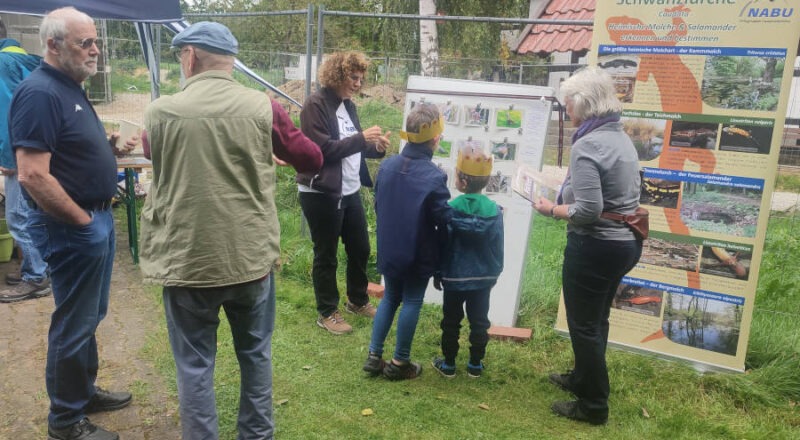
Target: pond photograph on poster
(720,208)
(702,322)
(638,299)
(745,139)
(725,262)
(647,136)
(742,82)
(671,254)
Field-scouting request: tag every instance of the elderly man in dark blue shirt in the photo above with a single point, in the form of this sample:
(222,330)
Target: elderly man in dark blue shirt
(69,175)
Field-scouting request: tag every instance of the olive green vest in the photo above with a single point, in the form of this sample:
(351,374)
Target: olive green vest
(209,219)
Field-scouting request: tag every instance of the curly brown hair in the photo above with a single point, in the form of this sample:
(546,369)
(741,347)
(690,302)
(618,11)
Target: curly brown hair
(339,66)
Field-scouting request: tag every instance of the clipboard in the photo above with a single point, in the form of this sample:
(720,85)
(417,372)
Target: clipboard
(532,184)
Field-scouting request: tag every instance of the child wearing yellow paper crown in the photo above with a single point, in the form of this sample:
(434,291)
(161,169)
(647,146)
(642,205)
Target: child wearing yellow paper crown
(472,262)
(412,214)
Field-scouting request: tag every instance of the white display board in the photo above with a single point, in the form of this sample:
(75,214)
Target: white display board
(508,121)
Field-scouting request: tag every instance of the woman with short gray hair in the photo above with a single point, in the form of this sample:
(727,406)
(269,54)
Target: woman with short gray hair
(603,177)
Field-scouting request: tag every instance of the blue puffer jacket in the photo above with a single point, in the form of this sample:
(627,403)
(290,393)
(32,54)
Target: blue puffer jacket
(474,256)
(412,213)
(15,65)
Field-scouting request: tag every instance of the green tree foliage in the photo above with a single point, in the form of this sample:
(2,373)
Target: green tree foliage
(399,37)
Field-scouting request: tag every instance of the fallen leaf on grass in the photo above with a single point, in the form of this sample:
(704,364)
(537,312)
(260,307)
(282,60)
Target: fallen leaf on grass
(281,402)
(484,406)
(367,412)
(306,367)
(645,414)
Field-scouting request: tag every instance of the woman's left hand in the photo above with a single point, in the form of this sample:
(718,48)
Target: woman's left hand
(543,205)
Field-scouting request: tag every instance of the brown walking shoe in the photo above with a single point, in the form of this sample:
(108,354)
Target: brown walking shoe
(367,309)
(334,323)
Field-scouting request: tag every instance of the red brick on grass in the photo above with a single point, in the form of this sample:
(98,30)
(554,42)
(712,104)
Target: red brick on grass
(510,333)
(375,290)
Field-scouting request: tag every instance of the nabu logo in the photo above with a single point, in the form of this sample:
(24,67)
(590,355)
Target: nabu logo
(767,9)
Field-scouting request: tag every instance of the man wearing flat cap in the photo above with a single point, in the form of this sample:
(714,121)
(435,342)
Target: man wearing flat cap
(210,232)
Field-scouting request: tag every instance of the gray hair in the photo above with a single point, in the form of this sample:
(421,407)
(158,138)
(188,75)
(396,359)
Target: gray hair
(591,90)
(54,24)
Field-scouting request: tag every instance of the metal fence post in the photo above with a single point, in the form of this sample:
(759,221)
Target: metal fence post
(309,43)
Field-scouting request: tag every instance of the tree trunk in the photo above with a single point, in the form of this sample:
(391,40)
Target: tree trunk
(428,40)
(769,70)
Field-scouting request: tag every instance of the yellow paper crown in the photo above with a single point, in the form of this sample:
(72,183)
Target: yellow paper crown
(474,162)
(426,132)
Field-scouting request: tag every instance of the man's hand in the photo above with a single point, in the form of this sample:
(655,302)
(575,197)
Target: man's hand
(278,162)
(126,149)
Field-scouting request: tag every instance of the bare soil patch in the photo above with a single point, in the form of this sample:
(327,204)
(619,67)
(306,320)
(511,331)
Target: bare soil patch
(132,318)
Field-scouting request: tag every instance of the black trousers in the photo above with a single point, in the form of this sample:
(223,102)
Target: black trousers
(591,273)
(328,219)
(476,303)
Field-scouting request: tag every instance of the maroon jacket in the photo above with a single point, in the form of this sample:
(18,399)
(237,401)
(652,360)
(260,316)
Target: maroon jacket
(318,122)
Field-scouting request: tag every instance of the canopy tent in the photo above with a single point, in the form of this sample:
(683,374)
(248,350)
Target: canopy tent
(142,12)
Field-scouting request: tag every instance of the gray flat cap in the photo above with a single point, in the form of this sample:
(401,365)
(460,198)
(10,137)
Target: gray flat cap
(213,37)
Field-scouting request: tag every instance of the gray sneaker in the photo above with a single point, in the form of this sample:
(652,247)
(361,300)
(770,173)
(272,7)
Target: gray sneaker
(26,290)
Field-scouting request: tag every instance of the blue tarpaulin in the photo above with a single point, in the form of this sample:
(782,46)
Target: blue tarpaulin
(153,11)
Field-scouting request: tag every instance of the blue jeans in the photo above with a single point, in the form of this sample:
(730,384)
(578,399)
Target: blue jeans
(17,217)
(192,321)
(410,292)
(80,260)
(591,273)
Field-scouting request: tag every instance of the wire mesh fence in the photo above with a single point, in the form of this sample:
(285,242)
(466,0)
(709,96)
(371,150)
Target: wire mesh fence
(281,58)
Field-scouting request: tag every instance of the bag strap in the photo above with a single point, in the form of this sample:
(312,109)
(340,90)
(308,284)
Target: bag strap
(613,216)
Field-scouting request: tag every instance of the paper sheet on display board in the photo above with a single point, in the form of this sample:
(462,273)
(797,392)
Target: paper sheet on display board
(509,122)
(705,88)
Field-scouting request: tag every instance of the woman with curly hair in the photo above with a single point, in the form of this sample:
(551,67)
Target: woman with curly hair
(330,199)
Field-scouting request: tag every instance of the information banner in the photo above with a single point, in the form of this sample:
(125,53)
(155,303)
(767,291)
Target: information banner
(508,122)
(705,85)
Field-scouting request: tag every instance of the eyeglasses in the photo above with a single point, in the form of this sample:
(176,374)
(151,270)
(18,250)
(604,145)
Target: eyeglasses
(85,43)
(179,53)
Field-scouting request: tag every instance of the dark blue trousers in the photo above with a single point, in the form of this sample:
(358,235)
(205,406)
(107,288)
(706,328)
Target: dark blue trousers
(476,304)
(80,260)
(591,273)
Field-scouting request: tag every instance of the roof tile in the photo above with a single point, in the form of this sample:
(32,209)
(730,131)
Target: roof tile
(561,38)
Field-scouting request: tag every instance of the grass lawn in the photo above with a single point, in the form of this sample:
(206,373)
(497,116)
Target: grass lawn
(320,391)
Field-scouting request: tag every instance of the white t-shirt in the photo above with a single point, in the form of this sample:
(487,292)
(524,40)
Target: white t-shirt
(351,165)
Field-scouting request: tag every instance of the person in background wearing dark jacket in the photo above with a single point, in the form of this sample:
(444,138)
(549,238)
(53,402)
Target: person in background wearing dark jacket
(330,198)
(412,214)
(472,263)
